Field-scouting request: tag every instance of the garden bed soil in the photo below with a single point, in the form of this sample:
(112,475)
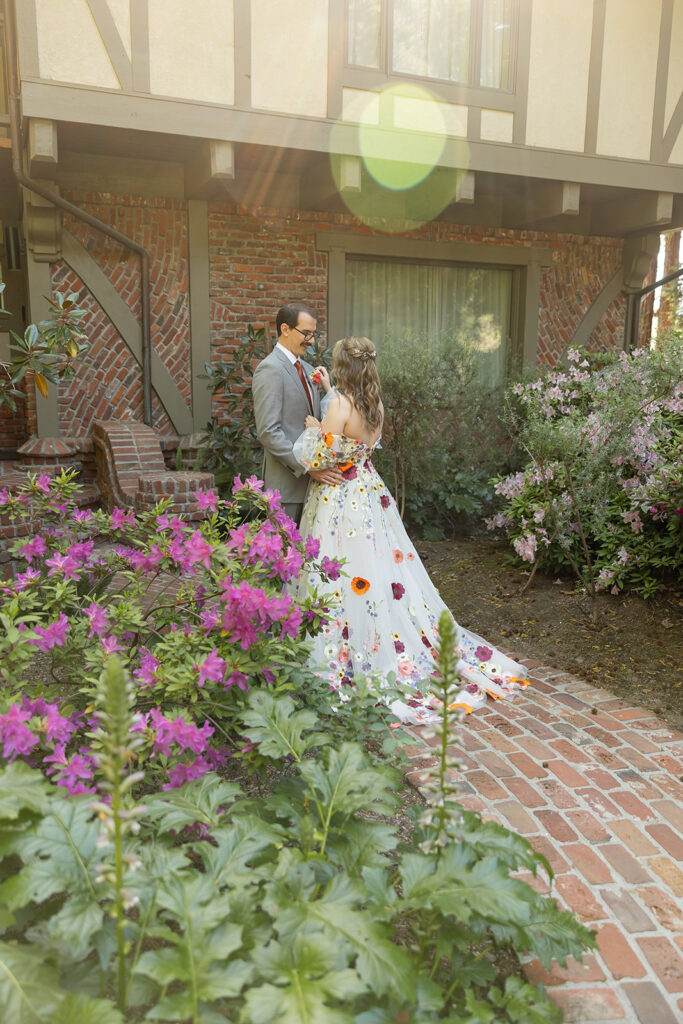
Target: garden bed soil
(636,652)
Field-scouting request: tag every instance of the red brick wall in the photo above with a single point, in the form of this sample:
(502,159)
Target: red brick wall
(111,385)
(12,428)
(260,259)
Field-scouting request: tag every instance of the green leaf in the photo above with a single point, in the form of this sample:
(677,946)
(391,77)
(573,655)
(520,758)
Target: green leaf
(361,844)
(58,854)
(277,728)
(382,965)
(345,781)
(22,788)
(197,801)
(29,988)
(200,940)
(228,862)
(77,1008)
(308,973)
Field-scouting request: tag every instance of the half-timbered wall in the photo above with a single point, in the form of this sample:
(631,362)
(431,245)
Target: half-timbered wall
(596,77)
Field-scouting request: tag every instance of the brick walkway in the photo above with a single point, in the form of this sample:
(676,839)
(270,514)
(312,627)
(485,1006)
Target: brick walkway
(596,785)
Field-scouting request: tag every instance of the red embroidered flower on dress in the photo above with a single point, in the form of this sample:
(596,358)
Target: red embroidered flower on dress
(398,590)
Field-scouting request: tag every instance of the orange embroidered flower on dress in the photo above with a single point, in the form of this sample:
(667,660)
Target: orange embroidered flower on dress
(397,555)
(359,585)
(328,439)
(345,466)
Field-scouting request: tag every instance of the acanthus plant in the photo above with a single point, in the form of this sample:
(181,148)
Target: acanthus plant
(200,905)
(601,494)
(198,613)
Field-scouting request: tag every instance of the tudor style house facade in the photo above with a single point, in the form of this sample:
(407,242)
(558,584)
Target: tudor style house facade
(495,171)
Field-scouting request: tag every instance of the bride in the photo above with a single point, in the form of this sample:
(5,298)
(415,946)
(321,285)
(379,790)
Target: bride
(387,611)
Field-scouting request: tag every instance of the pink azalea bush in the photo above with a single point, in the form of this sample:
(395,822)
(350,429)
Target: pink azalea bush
(601,493)
(197,615)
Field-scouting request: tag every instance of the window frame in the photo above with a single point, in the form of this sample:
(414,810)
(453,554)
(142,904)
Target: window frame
(359,76)
(514,354)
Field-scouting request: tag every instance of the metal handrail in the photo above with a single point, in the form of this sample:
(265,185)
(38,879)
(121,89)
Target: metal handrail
(632,319)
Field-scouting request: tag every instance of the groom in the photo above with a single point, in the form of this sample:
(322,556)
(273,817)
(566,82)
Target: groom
(283,397)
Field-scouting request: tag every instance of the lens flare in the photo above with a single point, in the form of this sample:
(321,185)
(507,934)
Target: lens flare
(399,135)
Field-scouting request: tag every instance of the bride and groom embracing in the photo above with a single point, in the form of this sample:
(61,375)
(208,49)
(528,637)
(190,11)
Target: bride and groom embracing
(318,455)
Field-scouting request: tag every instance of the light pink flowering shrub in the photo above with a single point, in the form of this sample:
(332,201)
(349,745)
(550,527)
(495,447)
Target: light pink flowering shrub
(197,615)
(602,492)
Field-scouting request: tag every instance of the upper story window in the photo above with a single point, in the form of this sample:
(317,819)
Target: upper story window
(464,42)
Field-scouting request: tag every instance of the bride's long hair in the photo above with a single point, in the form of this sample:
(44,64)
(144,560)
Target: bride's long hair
(355,370)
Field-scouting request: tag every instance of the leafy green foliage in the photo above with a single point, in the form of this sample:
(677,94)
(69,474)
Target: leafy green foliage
(601,493)
(49,350)
(231,447)
(301,906)
(444,435)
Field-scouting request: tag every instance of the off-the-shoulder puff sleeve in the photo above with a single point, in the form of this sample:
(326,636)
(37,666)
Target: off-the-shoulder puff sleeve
(317,450)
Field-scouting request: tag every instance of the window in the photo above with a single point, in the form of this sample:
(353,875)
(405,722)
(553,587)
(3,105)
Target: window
(394,302)
(464,42)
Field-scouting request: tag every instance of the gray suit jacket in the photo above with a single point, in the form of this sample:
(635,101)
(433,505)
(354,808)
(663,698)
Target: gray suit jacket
(280,410)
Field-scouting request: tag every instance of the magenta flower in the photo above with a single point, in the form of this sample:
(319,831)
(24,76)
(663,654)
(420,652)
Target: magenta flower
(312,548)
(57,727)
(34,548)
(110,645)
(43,483)
(398,590)
(120,519)
(24,578)
(210,617)
(16,737)
(254,482)
(98,618)
(351,473)
(51,636)
(198,550)
(184,734)
(206,500)
(148,668)
(237,679)
(213,667)
(483,653)
(72,772)
(385,501)
(183,773)
(329,568)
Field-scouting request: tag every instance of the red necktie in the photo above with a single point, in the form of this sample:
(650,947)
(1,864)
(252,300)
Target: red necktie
(302,378)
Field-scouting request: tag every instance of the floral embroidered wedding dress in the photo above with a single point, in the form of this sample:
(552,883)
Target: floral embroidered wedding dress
(387,611)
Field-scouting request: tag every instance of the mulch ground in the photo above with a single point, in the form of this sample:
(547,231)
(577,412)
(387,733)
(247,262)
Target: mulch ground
(636,652)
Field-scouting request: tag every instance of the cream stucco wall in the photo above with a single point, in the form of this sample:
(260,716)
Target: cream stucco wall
(289,56)
(629,67)
(675,82)
(558,73)
(192,49)
(70,48)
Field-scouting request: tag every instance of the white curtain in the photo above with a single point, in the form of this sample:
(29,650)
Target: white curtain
(431,38)
(364,28)
(495,43)
(399,303)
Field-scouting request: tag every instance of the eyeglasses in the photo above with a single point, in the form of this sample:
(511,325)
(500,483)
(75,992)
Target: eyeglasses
(307,335)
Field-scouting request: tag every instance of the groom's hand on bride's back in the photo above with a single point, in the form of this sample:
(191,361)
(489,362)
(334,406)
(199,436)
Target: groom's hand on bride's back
(331,476)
